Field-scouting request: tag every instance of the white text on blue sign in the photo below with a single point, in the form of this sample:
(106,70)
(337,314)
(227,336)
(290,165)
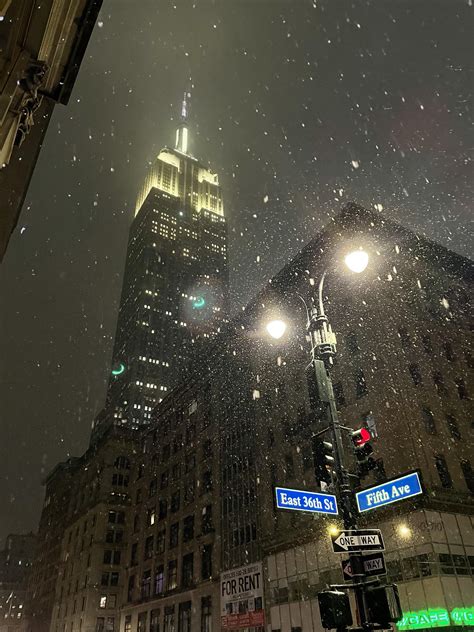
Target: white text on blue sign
(389,492)
(299,500)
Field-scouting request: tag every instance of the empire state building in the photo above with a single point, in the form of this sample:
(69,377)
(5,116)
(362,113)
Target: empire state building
(174,294)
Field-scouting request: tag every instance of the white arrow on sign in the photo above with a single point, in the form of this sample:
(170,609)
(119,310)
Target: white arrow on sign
(347,542)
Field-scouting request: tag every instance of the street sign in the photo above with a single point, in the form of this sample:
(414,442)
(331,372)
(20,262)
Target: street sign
(299,500)
(389,492)
(373,565)
(357,540)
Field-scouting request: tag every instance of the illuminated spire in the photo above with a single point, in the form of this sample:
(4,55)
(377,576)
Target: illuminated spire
(184,108)
(182,131)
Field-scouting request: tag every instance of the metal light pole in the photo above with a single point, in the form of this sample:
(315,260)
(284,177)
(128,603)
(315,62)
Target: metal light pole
(323,351)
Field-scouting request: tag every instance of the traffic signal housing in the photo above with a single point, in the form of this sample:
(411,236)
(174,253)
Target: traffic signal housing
(363,450)
(335,609)
(323,456)
(383,604)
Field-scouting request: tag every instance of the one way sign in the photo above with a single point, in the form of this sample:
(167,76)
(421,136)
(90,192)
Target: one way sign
(373,565)
(360,540)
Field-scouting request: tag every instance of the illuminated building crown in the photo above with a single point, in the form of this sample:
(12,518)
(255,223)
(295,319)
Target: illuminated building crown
(180,175)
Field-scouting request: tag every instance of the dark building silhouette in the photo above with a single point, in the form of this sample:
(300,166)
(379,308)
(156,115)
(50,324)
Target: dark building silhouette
(15,565)
(41,49)
(174,296)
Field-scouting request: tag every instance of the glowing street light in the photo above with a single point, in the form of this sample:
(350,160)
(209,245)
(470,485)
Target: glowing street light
(334,529)
(276,328)
(323,350)
(357,261)
(404,531)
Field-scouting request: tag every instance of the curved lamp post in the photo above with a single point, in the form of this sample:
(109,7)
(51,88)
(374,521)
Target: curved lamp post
(323,350)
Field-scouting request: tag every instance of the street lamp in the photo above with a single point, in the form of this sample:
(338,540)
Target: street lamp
(276,328)
(323,351)
(357,260)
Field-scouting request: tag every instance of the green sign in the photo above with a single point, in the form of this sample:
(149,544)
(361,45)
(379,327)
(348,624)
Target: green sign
(436,618)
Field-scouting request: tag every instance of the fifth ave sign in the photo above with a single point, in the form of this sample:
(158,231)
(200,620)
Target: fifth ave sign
(391,491)
(360,540)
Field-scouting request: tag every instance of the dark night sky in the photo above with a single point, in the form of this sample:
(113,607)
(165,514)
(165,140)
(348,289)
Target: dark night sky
(310,102)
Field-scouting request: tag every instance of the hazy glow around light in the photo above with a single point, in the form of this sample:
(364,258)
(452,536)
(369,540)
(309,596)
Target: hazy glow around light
(333,529)
(199,303)
(357,261)
(404,531)
(276,328)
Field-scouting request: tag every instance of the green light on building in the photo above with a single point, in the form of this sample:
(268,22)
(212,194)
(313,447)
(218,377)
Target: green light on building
(436,618)
(199,303)
(119,371)
(462,616)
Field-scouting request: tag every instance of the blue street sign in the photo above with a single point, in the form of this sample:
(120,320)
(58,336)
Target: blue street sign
(299,500)
(390,492)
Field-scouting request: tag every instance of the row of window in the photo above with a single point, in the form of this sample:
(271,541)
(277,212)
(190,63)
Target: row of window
(179,441)
(445,476)
(308,585)
(173,475)
(188,530)
(408,344)
(85,527)
(361,388)
(150,621)
(154,582)
(438,381)
(428,564)
(430,423)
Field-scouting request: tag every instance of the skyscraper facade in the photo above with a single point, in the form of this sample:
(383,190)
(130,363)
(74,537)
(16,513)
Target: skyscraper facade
(174,291)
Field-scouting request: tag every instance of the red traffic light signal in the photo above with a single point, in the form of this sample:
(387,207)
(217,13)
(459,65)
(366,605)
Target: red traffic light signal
(360,437)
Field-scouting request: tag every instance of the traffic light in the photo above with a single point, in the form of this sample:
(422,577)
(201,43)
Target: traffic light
(363,451)
(335,609)
(323,456)
(383,604)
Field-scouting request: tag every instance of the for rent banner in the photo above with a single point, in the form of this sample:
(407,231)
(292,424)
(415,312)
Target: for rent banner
(242,597)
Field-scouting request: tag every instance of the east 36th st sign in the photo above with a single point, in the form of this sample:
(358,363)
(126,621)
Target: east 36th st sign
(357,540)
(300,500)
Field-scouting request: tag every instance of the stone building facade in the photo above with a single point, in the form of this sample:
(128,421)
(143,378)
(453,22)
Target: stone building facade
(41,50)
(174,551)
(77,577)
